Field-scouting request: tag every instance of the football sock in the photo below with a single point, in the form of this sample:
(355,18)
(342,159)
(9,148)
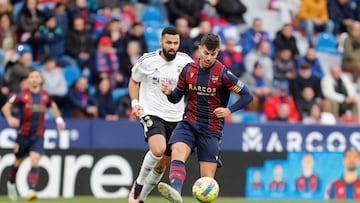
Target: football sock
(12,174)
(33,177)
(151,180)
(148,163)
(177,174)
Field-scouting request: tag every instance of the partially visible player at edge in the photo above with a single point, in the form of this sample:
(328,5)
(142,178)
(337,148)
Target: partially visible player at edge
(33,102)
(207,84)
(158,116)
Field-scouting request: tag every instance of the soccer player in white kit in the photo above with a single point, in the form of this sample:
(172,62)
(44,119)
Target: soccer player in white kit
(158,116)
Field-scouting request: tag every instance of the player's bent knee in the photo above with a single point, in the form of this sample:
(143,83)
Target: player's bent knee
(158,152)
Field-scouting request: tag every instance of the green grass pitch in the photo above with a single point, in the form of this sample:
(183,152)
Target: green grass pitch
(154,199)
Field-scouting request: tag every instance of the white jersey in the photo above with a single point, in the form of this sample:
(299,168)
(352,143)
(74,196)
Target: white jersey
(150,70)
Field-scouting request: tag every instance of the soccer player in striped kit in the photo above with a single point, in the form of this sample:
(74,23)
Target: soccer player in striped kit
(158,116)
(207,84)
(348,186)
(33,102)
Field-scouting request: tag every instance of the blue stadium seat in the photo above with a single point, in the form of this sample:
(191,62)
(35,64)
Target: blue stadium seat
(118,92)
(71,74)
(326,42)
(152,13)
(152,32)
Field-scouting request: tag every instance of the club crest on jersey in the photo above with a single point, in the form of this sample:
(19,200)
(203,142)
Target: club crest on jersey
(179,69)
(214,78)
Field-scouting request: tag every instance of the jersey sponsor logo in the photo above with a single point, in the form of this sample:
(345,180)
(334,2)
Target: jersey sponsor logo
(202,90)
(155,81)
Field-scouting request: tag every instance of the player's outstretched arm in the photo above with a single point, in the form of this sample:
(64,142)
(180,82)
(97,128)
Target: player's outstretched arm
(12,121)
(56,113)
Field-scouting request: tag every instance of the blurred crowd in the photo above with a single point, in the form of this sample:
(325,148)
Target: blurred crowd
(85,50)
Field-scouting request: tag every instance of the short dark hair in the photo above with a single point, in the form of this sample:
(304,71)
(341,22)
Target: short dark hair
(210,41)
(170,31)
(47,59)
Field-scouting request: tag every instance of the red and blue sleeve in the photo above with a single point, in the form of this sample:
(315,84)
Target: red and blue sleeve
(235,85)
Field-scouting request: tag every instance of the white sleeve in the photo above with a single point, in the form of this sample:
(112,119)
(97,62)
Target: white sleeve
(137,73)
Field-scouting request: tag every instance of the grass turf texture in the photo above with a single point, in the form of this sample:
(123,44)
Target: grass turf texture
(154,199)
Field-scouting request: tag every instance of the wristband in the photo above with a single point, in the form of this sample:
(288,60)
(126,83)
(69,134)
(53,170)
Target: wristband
(59,120)
(134,102)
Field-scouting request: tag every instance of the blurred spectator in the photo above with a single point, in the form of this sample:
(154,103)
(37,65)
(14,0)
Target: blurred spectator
(106,104)
(313,15)
(79,44)
(129,58)
(30,19)
(356,11)
(52,42)
(4,92)
(287,8)
(7,39)
(341,14)
(284,66)
(339,90)
(232,11)
(113,30)
(54,81)
(107,65)
(305,78)
(61,16)
(259,85)
(81,103)
(232,58)
(79,8)
(306,101)
(316,116)
(186,43)
(204,28)
(16,72)
(282,112)
(107,17)
(253,36)
(260,54)
(6,7)
(310,58)
(280,96)
(351,59)
(136,34)
(285,39)
(190,10)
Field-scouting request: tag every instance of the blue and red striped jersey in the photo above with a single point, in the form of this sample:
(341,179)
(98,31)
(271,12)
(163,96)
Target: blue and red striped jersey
(308,184)
(32,111)
(277,186)
(341,190)
(207,89)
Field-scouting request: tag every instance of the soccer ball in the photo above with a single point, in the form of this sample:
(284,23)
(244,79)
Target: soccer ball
(205,189)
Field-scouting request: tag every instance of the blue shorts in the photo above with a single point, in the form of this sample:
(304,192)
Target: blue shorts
(26,144)
(205,142)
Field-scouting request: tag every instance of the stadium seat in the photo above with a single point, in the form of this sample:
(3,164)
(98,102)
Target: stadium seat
(326,42)
(152,32)
(118,92)
(152,13)
(17,8)
(71,74)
